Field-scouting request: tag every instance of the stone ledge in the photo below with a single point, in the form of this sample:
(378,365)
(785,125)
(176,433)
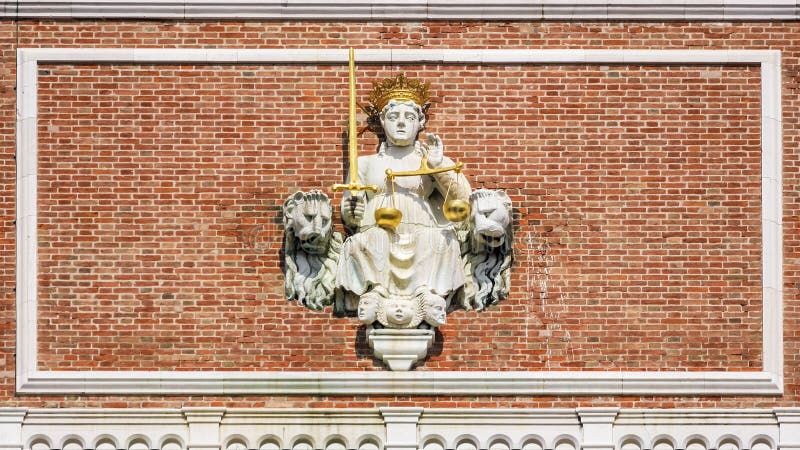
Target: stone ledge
(728,10)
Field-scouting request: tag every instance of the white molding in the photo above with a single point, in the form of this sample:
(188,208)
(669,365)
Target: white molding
(728,10)
(769,381)
(711,426)
(451,428)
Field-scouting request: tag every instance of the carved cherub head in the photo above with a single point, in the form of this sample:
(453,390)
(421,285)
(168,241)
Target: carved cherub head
(368,308)
(400,311)
(396,311)
(435,310)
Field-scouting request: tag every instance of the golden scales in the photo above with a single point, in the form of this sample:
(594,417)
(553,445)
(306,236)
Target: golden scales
(455,210)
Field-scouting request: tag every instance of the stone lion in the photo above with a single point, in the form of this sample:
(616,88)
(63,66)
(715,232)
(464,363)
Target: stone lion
(311,249)
(488,250)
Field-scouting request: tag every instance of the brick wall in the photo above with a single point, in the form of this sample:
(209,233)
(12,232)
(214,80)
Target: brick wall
(636,188)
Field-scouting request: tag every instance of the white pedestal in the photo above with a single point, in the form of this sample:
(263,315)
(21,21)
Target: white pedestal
(399,348)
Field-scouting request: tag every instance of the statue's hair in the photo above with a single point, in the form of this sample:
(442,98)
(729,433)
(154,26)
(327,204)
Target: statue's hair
(311,284)
(490,268)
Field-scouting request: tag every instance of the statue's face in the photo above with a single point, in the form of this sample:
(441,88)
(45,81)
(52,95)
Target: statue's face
(435,310)
(367,309)
(402,123)
(399,311)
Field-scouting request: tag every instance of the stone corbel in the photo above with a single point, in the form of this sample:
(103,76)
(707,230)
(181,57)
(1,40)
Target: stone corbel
(11,428)
(788,428)
(203,427)
(401,427)
(598,427)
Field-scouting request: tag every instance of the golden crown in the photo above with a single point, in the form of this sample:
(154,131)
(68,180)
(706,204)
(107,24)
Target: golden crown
(399,88)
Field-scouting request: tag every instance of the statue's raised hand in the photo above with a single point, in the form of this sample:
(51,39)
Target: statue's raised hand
(435,150)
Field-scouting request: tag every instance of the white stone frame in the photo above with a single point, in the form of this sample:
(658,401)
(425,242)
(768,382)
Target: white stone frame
(768,381)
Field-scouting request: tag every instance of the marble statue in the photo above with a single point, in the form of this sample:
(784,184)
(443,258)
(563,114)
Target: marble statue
(411,250)
(311,249)
(409,270)
(488,252)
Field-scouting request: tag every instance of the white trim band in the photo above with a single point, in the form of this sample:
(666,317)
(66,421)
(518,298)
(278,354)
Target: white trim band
(407,10)
(393,428)
(769,381)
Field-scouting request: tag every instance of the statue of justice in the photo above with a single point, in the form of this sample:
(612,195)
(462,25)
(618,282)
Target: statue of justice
(420,236)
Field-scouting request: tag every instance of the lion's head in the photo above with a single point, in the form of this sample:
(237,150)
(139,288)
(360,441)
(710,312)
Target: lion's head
(308,216)
(490,217)
(489,251)
(311,249)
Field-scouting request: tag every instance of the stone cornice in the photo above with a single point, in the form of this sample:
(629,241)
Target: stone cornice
(404,428)
(678,10)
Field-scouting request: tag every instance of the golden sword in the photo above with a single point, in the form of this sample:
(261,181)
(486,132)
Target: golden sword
(353,186)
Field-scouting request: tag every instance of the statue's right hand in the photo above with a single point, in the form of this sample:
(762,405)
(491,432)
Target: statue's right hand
(355,206)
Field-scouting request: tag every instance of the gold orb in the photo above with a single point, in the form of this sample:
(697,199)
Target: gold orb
(456,210)
(388,218)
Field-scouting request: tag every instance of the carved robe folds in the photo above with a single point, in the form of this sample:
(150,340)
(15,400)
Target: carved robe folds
(401,262)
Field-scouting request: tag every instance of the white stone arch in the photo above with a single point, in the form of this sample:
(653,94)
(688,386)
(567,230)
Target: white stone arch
(334,439)
(270,442)
(696,442)
(434,442)
(171,442)
(106,442)
(498,442)
(138,442)
(466,442)
(38,442)
(236,439)
(364,442)
(301,439)
(531,442)
(631,442)
(663,442)
(72,442)
(564,441)
(729,442)
(761,442)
